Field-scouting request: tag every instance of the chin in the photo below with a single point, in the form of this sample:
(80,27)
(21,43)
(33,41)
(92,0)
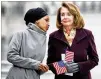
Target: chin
(66,24)
(45,30)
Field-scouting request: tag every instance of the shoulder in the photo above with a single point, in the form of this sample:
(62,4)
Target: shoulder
(18,34)
(86,31)
(55,33)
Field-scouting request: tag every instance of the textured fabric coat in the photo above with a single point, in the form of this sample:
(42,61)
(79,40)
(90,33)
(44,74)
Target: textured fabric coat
(26,50)
(84,49)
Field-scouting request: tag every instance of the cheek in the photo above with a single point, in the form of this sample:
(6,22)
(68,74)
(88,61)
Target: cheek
(62,18)
(41,23)
(72,19)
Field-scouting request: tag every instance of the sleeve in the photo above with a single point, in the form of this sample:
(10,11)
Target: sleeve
(14,57)
(93,59)
(51,55)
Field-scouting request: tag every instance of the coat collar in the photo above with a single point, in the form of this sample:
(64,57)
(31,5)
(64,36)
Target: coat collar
(35,28)
(80,34)
(60,36)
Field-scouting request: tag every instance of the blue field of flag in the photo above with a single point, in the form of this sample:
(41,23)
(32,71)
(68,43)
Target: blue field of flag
(61,64)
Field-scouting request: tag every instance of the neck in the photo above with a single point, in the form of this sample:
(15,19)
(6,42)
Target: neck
(68,28)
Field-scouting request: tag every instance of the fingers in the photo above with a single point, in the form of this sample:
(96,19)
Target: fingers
(75,70)
(73,64)
(72,67)
(43,68)
(46,67)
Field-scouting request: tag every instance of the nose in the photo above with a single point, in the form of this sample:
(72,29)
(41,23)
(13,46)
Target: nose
(48,24)
(65,16)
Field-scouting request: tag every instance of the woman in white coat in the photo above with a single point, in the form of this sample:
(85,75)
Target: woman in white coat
(27,48)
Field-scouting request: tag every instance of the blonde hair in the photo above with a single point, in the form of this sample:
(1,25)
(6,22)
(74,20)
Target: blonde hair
(74,10)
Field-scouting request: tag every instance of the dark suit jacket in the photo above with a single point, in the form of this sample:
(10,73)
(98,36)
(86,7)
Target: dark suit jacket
(84,49)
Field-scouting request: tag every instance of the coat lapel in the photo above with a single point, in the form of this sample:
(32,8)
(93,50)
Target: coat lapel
(60,36)
(80,35)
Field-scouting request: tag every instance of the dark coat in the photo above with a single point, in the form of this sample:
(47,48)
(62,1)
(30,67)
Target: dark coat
(84,49)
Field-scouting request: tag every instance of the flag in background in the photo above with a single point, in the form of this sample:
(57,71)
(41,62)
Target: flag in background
(69,56)
(59,67)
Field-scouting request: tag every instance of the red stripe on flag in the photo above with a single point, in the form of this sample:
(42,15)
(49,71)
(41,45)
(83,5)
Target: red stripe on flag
(59,69)
(69,56)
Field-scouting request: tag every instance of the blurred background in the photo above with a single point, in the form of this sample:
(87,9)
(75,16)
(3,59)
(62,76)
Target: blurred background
(12,14)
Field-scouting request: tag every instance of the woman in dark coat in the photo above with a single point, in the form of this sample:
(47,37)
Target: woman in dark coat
(73,37)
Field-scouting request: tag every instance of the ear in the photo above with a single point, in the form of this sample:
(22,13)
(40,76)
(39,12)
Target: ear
(36,22)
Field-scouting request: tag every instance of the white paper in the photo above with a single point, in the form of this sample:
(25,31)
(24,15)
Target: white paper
(63,56)
(70,74)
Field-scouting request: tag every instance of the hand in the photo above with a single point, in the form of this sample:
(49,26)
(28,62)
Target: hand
(43,68)
(72,67)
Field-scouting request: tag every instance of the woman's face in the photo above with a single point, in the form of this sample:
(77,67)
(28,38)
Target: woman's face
(66,17)
(43,23)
